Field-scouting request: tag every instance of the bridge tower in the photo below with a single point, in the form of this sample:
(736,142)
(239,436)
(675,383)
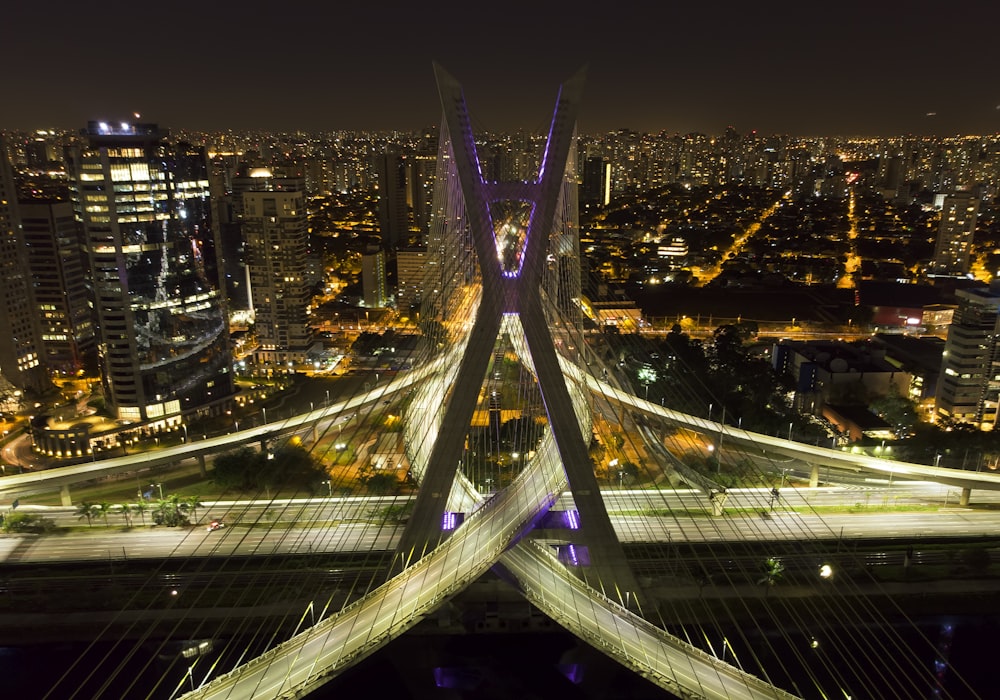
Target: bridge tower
(506,264)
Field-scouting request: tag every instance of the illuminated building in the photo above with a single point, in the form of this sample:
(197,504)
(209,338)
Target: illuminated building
(20,347)
(373,282)
(955,232)
(969,384)
(52,234)
(276,232)
(163,340)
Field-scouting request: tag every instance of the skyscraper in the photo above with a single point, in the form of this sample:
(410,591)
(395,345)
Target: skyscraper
(52,234)
(373,281)
(163,338)
(20,345)
(276,232)
(969,384)
(954,242)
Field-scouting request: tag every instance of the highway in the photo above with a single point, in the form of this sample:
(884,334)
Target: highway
(316,533)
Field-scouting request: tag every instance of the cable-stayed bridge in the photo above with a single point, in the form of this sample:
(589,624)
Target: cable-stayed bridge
(502,333)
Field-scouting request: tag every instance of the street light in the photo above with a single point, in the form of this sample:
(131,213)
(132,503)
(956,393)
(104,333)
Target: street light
(264,410)
(329,486)
(789,431)
(160,487)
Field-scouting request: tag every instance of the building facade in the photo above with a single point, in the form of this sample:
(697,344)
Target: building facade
(969,384)
(20,342)
(276,231)
(373,278)
(959,212)
(52,235)
(163,340)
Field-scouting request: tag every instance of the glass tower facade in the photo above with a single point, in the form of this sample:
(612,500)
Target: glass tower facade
(155,264)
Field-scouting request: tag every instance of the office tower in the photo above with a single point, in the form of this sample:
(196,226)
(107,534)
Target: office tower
(955,232)
(969,383)
(62,303)
(373,281)
(20,345)
(276,232)
(163,338)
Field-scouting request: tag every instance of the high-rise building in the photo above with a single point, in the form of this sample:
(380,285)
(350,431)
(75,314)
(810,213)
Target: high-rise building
(969,384)
(954,242)
(373,280)
(393,214)
(596,189)
(411,268)
(20,345)
(52,234)
(153,251)
(276,232)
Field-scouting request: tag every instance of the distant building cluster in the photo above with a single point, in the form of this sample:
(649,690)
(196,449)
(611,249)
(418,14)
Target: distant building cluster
(127,250)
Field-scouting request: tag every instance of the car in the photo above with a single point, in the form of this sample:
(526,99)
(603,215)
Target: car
(215,525)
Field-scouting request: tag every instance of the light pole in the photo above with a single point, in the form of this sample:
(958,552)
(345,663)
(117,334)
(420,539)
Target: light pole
(710,406)
(264,410)
(789,431)
(937,459)
(160,487)
(329,487)
(328,398)
(184,425)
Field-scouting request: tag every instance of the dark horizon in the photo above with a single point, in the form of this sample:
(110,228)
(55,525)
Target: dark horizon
(855,69)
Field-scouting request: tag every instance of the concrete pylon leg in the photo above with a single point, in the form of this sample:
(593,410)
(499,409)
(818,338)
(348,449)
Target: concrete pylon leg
(64,496)
(201,467)
(964,500)
(814,476)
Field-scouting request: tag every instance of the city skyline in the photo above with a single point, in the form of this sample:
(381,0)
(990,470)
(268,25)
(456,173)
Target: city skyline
(860,71)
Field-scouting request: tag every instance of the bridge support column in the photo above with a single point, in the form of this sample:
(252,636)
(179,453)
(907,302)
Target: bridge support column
(64,496)
(201,466)
(964,499)
(814,476)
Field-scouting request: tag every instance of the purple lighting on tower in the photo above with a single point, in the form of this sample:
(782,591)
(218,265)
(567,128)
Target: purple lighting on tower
(451,520)
(573,519)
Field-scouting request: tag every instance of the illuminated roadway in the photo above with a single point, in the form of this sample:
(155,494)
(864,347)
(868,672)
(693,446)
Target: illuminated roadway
(312,657)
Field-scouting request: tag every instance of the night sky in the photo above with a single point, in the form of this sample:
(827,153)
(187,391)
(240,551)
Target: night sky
(804,68)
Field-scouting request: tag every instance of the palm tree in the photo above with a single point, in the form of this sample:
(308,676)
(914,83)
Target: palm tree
(141,508)
(773,569)
(102,509)
(88,511)
(192,503)
(124,511)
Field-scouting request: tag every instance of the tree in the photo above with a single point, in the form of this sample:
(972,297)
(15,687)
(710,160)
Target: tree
(88,511)
(103,508)
(27,522)
(898,411)
(141,508)
(125,511)
(289,466)
(773,570)
(168,512)
(192,503)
